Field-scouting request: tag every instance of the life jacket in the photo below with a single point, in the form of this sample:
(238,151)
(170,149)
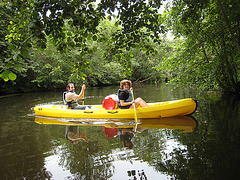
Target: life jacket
(129,99)
(71,103)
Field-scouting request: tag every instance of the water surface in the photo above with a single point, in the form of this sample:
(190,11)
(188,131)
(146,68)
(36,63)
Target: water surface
(204,146)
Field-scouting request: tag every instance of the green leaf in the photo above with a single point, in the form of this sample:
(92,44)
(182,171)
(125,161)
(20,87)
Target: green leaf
(18,67)
(12,76)
(95,38)
(24,52)
(4,75)
(15,56)
(12,46)
(69,33)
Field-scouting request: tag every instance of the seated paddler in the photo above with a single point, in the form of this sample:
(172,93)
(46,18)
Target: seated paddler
(125,96)
(70,97)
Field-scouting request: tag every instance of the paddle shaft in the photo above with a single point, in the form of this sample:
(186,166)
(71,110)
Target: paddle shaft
(83,96)
(83,99)
(135,113)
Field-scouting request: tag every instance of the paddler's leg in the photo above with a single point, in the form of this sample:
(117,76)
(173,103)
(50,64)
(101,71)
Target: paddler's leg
(139,102)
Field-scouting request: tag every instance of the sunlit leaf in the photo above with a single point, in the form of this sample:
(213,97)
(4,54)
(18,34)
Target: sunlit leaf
(12,76)
(4,75)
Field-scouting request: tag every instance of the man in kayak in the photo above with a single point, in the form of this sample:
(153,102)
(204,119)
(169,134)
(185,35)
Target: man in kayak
(70,97)
(125,96)
(73,134)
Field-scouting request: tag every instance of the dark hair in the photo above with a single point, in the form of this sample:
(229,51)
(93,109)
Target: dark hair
(125,81)
(68,86)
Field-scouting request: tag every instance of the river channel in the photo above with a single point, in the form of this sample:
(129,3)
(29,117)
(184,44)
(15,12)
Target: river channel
(205,145)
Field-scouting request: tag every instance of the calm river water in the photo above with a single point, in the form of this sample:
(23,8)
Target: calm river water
(204,146)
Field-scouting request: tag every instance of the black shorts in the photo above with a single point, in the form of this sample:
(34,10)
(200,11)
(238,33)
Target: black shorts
(125,107)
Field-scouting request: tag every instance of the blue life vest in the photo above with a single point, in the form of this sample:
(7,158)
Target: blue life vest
(129,99)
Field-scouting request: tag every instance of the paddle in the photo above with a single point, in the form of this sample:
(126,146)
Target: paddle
(135,113)
(83,97)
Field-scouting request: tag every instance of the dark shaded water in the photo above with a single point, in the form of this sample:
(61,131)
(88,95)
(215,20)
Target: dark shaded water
(173,149)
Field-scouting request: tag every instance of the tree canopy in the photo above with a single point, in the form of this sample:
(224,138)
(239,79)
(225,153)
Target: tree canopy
(209,55)
(68,24)
(54,41)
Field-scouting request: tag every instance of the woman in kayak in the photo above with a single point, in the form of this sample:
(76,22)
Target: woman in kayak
(125,96)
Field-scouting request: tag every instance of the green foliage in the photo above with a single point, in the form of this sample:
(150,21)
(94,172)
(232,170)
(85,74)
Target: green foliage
(84,38)
(70,24)
(209,56)
(52,69)
(5,60)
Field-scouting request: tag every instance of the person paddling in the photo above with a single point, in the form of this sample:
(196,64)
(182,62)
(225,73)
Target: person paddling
(125,96)
(70,97)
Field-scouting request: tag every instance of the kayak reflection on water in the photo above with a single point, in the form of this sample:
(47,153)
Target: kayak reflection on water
(124,129)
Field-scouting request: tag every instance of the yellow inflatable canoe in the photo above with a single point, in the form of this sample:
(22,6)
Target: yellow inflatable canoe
(155,110)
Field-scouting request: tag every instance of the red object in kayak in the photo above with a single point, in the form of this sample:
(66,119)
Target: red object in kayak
(109,103)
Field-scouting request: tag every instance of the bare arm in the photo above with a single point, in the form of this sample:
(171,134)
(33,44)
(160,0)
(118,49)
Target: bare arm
(82,91)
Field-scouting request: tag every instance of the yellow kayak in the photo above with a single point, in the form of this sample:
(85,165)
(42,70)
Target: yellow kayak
(155,110)
(184,123)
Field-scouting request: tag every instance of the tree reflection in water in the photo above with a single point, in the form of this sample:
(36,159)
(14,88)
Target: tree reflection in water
(211,152)
(102,156)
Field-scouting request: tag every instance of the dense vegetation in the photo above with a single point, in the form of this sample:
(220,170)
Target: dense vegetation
(47,43)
